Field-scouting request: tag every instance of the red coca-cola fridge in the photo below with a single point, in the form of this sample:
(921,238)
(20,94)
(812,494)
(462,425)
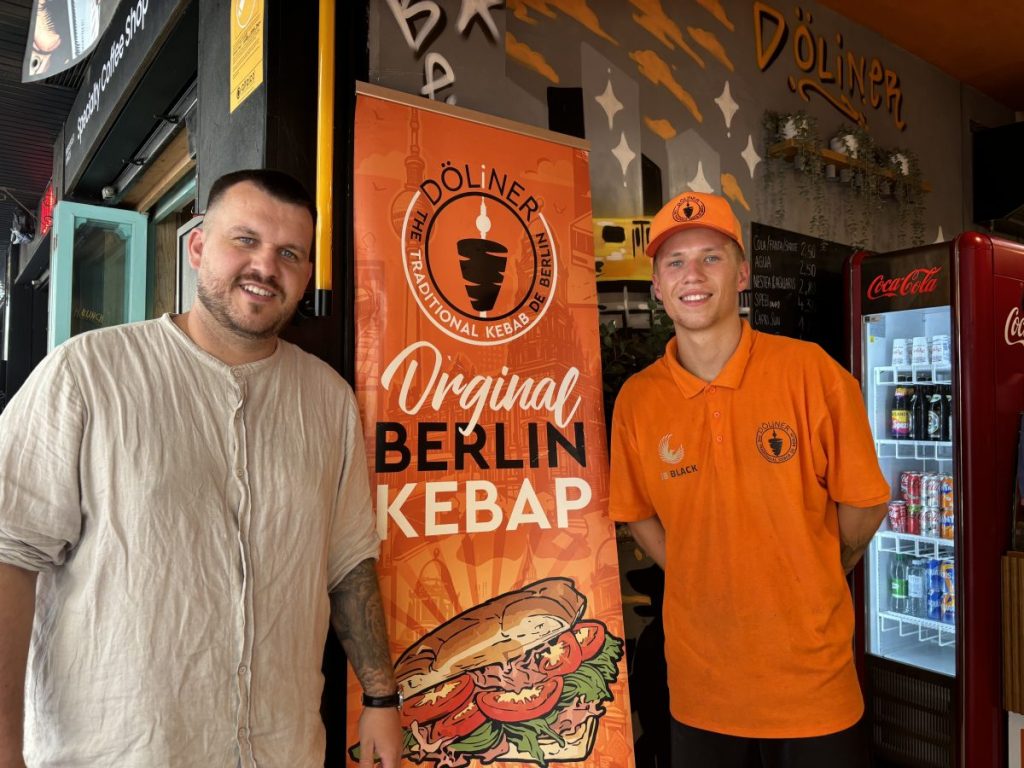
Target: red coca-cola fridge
(936,336)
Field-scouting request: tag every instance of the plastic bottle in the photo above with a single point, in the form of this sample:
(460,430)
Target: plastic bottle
(917,590)
(897,584)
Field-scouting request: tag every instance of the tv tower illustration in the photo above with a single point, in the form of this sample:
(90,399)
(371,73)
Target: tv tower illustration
(482,262)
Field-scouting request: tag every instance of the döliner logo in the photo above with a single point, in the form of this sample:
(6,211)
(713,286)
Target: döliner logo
(1013,331)
(922,280)
(478,254)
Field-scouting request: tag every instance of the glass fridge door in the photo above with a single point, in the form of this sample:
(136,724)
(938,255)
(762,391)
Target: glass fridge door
(909,566)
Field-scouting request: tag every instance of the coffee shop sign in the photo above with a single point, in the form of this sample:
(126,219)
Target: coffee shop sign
(134,24)
(848,81)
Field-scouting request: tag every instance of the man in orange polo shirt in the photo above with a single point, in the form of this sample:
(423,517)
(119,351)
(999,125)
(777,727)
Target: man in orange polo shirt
(745,467)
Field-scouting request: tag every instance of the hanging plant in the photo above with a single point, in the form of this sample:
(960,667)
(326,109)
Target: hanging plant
(799,129)
(868,183)
(907,190)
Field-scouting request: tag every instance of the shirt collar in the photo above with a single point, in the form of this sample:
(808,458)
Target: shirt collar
(731,374)
(205,358)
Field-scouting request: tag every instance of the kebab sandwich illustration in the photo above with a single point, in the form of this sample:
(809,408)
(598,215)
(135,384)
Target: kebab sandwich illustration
(519,678)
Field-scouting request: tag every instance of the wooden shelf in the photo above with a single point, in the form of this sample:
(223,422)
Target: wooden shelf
(787,150)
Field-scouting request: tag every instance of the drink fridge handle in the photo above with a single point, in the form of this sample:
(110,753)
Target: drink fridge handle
(1017,520)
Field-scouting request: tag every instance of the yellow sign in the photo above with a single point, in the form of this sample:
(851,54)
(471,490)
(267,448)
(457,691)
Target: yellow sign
(246,49)
(619,249)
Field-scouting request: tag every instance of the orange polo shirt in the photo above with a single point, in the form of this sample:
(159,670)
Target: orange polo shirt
(745,474)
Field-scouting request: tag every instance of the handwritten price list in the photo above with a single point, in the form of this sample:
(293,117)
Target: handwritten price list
(796,287)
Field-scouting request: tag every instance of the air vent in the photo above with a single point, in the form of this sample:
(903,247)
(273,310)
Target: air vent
(911,719)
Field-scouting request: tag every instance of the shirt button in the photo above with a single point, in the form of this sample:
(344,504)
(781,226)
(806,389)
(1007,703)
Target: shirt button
(711,390)
(236,373)
(239,472)
(243,732)
(718,439)
(718,414)
(242,670)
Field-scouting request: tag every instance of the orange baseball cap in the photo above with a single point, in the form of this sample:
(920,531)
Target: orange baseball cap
(694,209)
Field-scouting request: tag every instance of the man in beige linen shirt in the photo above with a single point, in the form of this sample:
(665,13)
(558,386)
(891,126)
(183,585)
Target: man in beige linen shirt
(184,511)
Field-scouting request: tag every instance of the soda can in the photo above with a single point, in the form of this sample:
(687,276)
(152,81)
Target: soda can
(910,487)
(947,493)
(948,608)
(913,524)
(931,490)
(898,516)
(934,604)
(947,524)
(948,577)
(934,573)
(900,353)
(931,522)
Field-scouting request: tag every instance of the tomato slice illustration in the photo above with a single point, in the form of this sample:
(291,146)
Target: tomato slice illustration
(460,723)
(443,699)
(516,706)
(562,656)
(590,636)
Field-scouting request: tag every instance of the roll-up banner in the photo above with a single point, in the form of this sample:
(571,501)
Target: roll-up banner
(479,381)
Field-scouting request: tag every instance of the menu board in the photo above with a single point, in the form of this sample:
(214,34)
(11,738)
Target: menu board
(796,287)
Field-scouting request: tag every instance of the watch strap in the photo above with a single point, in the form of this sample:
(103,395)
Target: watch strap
(394,700)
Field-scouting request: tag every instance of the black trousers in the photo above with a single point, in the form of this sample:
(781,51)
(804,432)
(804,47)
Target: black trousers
(695,748)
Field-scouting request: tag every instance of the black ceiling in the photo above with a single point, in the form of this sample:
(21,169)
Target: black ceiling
(31,114)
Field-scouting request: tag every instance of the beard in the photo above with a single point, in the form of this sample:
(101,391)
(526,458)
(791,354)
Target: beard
(257,323)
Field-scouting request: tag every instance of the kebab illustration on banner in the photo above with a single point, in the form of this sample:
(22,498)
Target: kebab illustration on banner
(520,678)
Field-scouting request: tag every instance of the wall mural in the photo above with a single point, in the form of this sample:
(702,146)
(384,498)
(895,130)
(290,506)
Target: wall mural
(671,95)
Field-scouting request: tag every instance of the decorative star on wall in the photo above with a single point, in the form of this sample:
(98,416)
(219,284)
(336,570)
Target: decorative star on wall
(611,105)
(750,155)
(624,155)
(728,106)
(698,183)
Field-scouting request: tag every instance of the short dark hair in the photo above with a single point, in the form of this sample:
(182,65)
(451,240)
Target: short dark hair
(278,184)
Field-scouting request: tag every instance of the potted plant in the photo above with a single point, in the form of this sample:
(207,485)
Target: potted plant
(844,141)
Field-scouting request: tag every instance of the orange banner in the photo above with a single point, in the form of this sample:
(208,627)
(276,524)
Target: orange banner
(479,380)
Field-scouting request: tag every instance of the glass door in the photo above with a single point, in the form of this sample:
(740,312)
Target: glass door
(910,564)
(97,269)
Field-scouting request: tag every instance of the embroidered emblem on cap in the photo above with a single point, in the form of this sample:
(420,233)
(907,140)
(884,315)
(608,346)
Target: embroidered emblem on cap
(688,208)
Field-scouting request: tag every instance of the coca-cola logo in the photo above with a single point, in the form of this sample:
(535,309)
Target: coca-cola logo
(1013,331)
(921,280)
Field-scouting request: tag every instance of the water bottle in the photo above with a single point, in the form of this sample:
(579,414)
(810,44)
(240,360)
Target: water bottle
(897,584)
(916,590)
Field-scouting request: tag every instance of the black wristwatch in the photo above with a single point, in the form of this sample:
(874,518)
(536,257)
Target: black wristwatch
(383,702)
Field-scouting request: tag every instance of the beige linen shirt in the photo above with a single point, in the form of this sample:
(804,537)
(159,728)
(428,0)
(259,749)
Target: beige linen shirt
(189,520)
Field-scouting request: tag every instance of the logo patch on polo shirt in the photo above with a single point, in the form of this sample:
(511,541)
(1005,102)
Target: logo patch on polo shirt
(669,454)
(673,457)
(776,441)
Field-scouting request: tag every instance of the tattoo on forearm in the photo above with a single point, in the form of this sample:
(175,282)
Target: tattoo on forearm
(357,615)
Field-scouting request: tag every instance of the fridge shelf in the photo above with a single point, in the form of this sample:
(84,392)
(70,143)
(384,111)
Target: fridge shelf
(887,375)
(926,630)
(912,544)
(914,449)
